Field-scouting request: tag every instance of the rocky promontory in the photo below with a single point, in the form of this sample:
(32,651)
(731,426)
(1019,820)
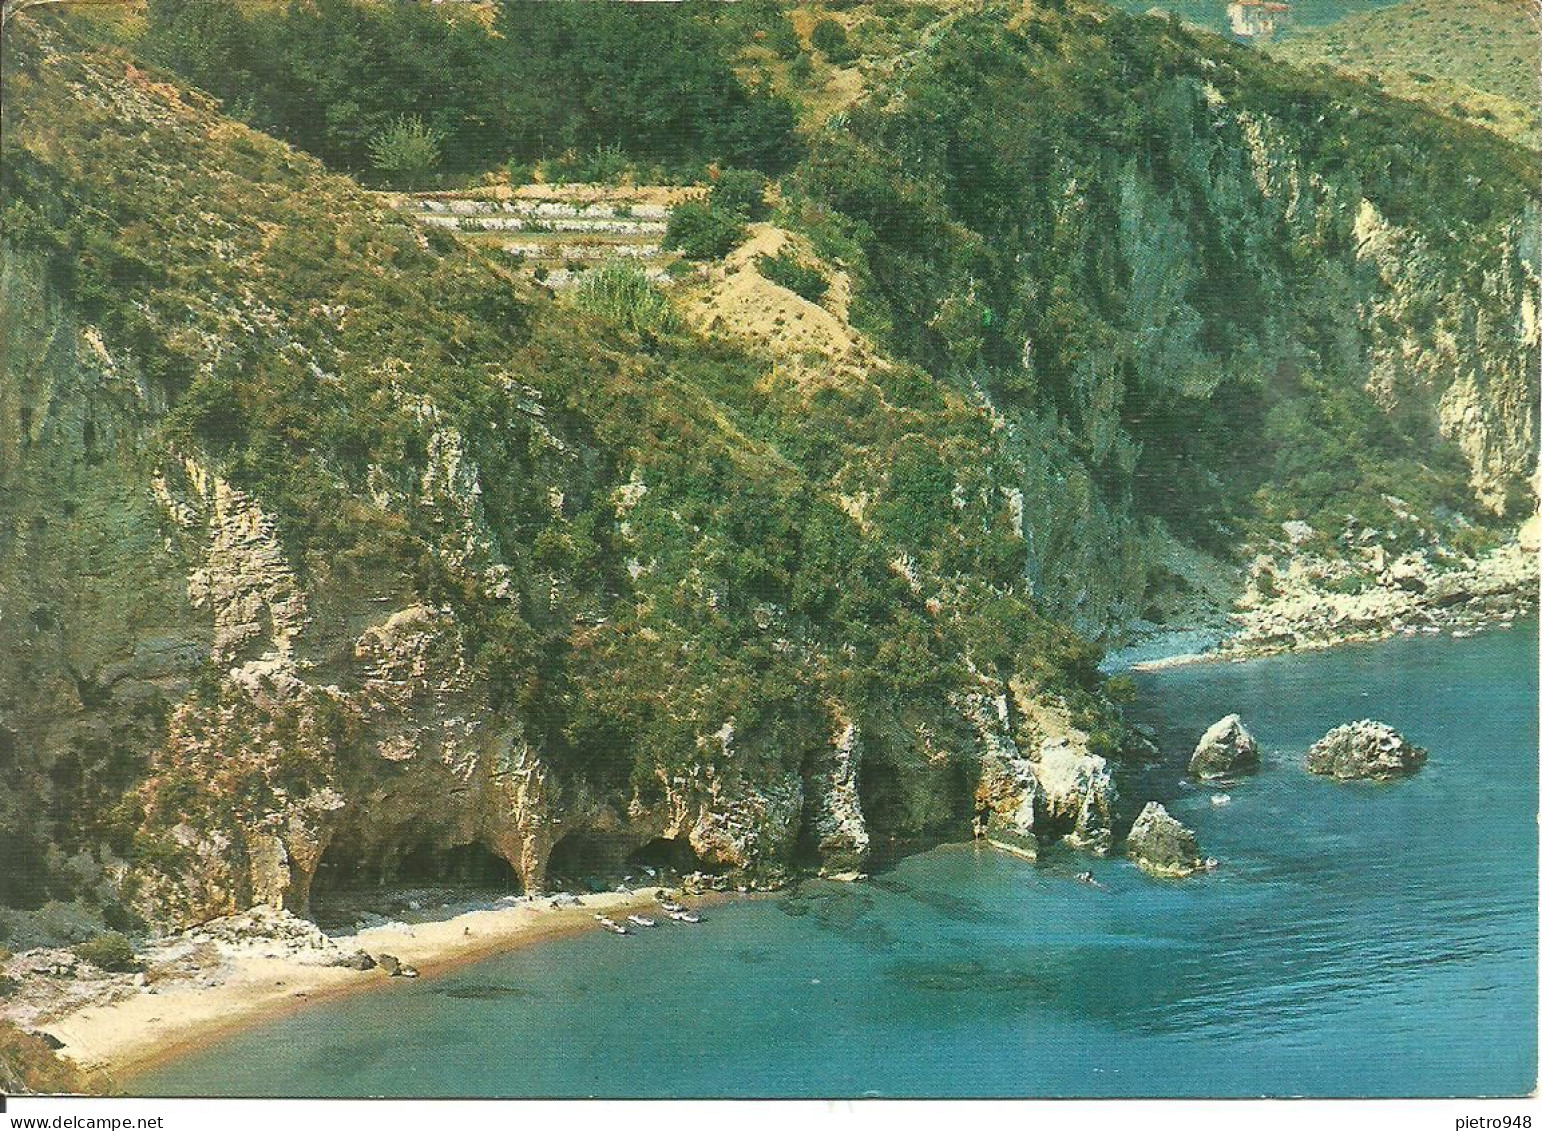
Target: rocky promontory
(1161,845)
(1226,748)
(1325,588)
(1364,750)
(1307,588)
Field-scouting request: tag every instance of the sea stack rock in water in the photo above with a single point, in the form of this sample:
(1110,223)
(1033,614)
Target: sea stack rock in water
(1227,748)
(1160,844)
(1362,750)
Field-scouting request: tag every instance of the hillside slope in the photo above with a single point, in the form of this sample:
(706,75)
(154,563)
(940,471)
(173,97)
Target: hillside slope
(1201,271)
(1478,61)
(339,551)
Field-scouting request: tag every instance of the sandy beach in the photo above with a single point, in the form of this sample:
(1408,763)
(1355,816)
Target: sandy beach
(116,1039)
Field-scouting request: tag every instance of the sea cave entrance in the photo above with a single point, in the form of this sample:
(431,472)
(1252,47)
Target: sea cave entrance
(585,861)
(666,855)
(346,866)
(908,808)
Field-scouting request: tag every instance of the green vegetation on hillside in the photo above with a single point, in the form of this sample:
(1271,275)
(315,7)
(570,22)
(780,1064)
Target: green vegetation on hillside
(317,351)
(1110,266)
(1120,284)
(547,79)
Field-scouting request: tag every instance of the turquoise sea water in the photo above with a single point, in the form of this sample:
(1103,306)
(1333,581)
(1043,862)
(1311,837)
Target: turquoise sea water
(1211,14)
(1358,940)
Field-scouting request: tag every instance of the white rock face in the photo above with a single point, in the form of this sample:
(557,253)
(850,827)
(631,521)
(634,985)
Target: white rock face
(1008,797)
(449,770)
(1077,787)
(839,827)
(1297,531)
(1364,593)
(1023,803)
(734,827)
(245,580)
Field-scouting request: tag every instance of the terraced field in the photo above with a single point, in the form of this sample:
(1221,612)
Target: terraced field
(556,232)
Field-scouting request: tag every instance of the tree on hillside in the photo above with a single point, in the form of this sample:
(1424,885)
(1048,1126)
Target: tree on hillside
(829,39)
(654,80)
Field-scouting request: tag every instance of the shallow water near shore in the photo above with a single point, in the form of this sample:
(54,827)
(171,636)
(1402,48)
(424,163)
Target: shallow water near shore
(1358,940)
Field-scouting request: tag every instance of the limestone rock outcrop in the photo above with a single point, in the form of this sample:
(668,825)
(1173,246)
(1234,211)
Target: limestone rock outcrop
(1066,793)
(1008,797)
(1078,792)
(1161,845)
(746,829)
(838,827)
(1007,806)
(1364,750)
(1225,749)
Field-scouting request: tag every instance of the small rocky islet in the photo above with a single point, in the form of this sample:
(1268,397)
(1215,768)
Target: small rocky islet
(1161,845)
(1225,749)
(1365,750)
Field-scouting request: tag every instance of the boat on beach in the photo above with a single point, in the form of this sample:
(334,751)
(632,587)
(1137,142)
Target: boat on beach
(611,925)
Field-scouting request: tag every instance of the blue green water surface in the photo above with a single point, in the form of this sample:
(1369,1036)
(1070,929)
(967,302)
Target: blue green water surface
(1358,940)
(1211,14)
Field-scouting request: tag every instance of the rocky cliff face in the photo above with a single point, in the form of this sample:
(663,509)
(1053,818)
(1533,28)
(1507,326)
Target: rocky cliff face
(95,618)
(326,572)
(1182,291)
(333,555)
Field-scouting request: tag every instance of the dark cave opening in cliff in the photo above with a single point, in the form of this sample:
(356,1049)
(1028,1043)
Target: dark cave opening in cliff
(418,862)
(666,854)
(878,792)
(898,820)
(585,861)
(1049,826)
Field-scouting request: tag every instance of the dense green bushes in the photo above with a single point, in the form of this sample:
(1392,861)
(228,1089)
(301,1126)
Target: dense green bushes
(110,951)
(786,270)
(332,76)
(740,191)
(654,80)
(703,231)
(406,151)
(829,39)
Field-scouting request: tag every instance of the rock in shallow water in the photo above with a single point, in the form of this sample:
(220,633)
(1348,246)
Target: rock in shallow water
(1162,845)
(1364,750)
(1226,748)
(355,960)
